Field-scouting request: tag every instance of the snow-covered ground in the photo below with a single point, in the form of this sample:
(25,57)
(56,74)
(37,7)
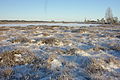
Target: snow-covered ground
(59,52)
(50,24)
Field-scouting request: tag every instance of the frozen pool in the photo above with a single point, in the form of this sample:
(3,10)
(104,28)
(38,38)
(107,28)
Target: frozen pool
(50,24)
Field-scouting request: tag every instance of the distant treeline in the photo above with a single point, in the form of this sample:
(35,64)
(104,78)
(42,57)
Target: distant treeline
(5,21)
(20,21)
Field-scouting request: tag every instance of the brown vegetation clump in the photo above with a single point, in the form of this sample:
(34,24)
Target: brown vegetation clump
(53,42)
(16,57)
(1,33)
(99,67)
(4,29)
(79,31)
(115,61)
(98,48)
(114,46)
(50,59)
(24,28)
(70,51)
(95,67)
(65,77)
(49,41)
(2,38)
(6,72)
(49,28)
(45,34)
(20,39)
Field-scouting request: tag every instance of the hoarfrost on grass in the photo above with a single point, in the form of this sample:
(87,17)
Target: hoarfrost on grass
(67,51)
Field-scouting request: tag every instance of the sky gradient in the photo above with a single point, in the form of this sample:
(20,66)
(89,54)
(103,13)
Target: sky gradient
(62,10)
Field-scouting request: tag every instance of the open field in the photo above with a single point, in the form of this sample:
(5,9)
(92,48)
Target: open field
(60,52)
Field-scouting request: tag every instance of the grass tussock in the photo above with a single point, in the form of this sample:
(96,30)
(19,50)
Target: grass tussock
(45,34)
(99,67)
(53,42)
(80,31)
(70,51)
(24,28)
(3,38)
(116,47)
(16,57)
(20,39)
(1,33)
(95,68)
(4,29)
(98,48)
(50,27)
(49,41)
(6,72)
(65,77)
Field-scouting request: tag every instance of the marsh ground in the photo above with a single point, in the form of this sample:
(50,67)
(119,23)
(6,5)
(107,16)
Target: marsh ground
(60,53)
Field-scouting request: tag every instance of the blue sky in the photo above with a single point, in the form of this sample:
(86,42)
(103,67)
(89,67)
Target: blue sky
(62,10)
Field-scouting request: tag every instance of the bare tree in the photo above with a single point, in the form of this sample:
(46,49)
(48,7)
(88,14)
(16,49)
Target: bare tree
(109,16)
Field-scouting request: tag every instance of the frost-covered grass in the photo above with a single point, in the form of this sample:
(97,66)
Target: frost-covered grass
(16,57)
(60,53)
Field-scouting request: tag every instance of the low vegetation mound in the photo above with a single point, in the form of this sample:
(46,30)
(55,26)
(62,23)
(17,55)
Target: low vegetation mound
(4,29)
(100,67)
(20,39)
(16,57)
(3,38)
(79,31)
(50,41)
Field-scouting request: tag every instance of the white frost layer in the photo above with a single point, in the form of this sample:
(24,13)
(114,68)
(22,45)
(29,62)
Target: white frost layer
(50,24)
(55,64)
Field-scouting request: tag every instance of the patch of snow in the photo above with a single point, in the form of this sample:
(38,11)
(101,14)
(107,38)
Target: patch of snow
(49,24)
(55,64)
(17,55)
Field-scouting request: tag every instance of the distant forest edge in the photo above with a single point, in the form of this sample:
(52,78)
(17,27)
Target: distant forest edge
(102,21)
(25,21)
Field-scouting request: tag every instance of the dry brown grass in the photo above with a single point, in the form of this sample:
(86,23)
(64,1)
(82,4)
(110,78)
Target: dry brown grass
(65,77)
(1,33)
(114,46)
(2,38)
(95,68)
(6,72)
(98,48)
(4,29)
(16,57)
(45,34)
(70,51)
(49,27)
(49,41)
(20,39)
(99,67)
(80,30)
